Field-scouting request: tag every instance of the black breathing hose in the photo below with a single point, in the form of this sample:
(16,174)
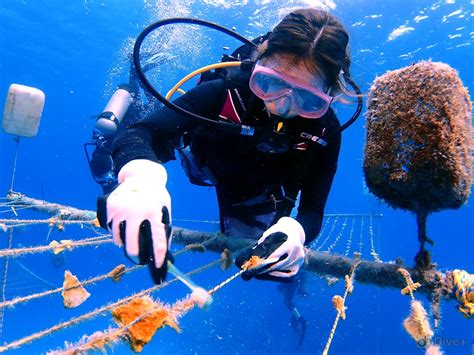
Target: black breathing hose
(136,61)
(230,127)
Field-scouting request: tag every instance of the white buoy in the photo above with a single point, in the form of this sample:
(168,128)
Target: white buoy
(23,109)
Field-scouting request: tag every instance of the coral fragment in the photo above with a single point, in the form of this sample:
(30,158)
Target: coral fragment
(151,316)
(117,273)
(74,294)
(417,323)
(252,263)
(59,247)
(338,303)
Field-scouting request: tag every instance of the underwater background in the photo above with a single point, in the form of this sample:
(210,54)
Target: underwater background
(77,52)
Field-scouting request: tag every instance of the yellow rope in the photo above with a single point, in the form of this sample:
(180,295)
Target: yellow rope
(463,289)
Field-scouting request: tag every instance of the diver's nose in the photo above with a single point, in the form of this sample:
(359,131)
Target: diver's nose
(283,105)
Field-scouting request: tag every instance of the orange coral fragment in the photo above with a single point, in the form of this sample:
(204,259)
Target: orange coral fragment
(155,316)
(252,263)
(417,323)
(338,303)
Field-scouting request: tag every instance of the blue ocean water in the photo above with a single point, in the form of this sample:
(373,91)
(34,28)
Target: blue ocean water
(77,52)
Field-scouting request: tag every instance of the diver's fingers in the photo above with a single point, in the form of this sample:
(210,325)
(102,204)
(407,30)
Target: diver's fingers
(160,242)
(116,231)
(132,234)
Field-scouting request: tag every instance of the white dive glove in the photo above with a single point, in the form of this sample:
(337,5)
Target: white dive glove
(138,213)
(282,248)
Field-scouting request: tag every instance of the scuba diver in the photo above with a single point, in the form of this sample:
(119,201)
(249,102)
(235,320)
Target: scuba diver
(126,107)
(288,144)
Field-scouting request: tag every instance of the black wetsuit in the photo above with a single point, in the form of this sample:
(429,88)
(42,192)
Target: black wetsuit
(249,182)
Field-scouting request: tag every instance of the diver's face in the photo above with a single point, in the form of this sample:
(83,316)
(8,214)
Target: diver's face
(287,106)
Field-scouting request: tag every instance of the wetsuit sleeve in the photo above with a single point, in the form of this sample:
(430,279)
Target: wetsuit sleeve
(155,137)
(317,185)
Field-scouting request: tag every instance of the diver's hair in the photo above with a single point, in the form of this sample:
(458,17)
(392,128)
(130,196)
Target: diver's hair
(315,37)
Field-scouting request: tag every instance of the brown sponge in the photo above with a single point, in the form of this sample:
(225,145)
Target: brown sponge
(419,141)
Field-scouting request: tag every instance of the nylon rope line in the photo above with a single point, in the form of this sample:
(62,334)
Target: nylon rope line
(348,290)
(323,229)
(329,234)
(195,221)
(112,335)
(15,208)
(361,236)
(4,281)
(46,282)
(374,254)
(70,245)
(325,224)
(87,316)
(51,221)
(15,159)
(225,282)
(338,236)
(231,278)
(349,240)
(93,280)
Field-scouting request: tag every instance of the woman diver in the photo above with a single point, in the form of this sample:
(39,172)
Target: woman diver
(299,70)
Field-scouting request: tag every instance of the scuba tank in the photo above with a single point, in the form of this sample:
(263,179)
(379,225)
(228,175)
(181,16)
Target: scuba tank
(98,152)
(108,121)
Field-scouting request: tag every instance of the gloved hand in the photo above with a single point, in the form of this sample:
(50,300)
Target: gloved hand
(284,243)
(138,213)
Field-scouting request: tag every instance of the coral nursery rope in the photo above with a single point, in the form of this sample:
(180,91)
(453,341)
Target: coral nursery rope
(349,239)
(44,248)
(4,281)
(348,290)
(338,236)
(93,280)
(374,254)
(87,316)
(180,308)
(11,223)
(222,284)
